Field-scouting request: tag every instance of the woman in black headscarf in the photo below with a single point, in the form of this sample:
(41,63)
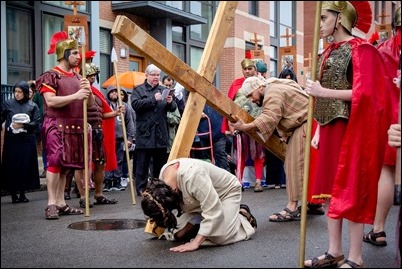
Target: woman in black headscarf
(288,73)
(19,168)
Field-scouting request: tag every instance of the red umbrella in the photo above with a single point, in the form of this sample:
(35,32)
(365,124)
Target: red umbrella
(127,80)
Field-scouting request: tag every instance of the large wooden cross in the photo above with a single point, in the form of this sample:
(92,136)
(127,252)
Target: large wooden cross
(287,36)
(198,83)
(382,16)
(309,61)
(75,4)
(255,40)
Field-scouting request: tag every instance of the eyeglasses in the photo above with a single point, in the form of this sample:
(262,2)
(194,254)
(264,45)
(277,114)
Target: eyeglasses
(154,75)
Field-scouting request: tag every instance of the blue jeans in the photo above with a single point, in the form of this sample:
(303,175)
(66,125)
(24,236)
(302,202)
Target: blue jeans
(120,155)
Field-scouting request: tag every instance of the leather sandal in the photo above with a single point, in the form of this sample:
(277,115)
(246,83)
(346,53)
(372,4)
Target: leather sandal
(82,203)
(327,261)
(288,216)
(67,210)
(350,264)
(371,237)
(51,212)
(246,212)
(102,200)
(315,209)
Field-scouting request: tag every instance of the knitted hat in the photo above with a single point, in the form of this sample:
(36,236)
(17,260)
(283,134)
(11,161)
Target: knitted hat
(251,84)
(261,67)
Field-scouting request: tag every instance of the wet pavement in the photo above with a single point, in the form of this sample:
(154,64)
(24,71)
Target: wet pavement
(29,240)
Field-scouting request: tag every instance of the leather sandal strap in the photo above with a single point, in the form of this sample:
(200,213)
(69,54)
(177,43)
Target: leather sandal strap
(374,235)
(327,261)
(353,264)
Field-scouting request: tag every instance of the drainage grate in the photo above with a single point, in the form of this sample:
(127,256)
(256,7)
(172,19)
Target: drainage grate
(108,224)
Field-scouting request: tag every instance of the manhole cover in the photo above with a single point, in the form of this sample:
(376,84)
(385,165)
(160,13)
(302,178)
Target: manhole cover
(108,224)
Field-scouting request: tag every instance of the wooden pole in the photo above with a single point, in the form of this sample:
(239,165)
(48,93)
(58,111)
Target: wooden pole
(397,191)
(85,112)
(123,123)
(303,220)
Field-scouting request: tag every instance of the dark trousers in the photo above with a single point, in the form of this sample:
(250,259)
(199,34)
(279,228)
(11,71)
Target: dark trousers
(159,158)
(275,172)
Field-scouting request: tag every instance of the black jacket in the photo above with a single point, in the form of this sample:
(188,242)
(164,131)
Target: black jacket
(151,117)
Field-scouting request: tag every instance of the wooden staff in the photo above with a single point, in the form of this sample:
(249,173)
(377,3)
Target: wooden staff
(123,123)
(303,220)
(397,191)
(85,111)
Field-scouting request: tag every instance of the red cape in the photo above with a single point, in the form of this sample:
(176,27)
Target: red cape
(234,88)
(108,133)
(354,195)
(390,54)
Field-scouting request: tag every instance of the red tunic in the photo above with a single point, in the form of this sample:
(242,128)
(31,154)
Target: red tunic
(62,128)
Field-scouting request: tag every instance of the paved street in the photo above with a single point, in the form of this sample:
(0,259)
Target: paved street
(28,240)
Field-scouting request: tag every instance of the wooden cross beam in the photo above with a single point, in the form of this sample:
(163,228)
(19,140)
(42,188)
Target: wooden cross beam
(287,36)
(198,83)
(255,41)
(74,4)
(382,16)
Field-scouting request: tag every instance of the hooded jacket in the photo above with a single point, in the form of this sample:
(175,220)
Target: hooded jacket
(128,119)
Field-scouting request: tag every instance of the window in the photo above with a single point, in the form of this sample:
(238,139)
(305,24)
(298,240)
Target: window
(136,63)
(179,46)
(105,48)
(196,54)
(280,19)
(203,9)
(179,51)
(253,8)
(379,10)
(272,19)
(51,25)
(175,4)
(273,63)
(20,57)
(189,41)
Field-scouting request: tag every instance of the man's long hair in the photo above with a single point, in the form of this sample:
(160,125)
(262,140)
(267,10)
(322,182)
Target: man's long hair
(158,202)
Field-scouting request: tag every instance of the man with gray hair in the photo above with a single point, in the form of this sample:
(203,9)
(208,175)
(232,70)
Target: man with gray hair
(284,107)
(152,137)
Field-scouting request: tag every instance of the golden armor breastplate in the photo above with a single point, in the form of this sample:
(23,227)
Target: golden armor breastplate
(334,76)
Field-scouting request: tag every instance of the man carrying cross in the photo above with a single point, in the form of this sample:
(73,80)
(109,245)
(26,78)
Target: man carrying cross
(284,107)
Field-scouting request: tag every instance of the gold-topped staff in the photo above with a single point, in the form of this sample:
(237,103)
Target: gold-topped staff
(303,220)
(123,123)
(85,111)
(397,191)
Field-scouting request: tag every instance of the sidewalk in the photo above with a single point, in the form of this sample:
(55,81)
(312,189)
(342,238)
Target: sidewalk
(29,240)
